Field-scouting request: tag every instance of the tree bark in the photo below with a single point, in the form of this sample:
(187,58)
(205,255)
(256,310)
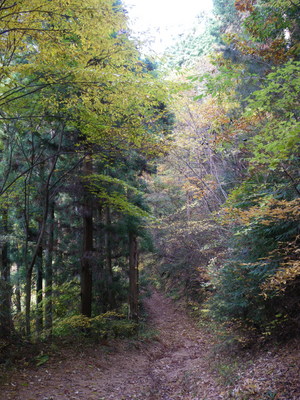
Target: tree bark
(18,291)
(110,298)
(133,279)
(39,240)
(49,270)
(39,291)
(86,261)
(6,325)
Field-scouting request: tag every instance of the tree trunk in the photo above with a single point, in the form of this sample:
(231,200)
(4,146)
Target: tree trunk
(49,270)
(26,256)
(40,238)
(188,207)
(39,291)
(6,325)
(133,279)
(18,291)
(86,261)
(99,267)
(110,297)
(28,300)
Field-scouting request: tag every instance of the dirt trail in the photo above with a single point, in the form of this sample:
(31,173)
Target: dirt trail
(173,367)
(178,365)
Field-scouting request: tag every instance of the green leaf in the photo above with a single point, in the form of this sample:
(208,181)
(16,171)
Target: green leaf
(41,359)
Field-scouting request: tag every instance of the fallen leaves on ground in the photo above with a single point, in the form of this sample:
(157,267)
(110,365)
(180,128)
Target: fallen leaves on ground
(179,363)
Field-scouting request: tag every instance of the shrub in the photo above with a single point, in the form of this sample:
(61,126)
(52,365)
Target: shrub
(109,324)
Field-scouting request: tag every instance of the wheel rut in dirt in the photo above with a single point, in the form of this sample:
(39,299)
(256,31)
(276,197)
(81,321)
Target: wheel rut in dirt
(178,363)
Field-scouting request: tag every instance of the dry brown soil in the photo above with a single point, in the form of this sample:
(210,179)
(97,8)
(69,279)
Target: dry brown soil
(177,365)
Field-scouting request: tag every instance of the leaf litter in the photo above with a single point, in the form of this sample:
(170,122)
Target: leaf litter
(179,363)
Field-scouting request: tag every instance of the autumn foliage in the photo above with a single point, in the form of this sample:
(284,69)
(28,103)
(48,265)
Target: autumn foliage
(236,159)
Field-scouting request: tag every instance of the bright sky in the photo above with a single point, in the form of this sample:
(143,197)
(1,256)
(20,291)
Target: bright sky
(161,20)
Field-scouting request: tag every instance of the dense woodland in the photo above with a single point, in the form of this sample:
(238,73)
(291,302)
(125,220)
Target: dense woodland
(119,172)
(230,182)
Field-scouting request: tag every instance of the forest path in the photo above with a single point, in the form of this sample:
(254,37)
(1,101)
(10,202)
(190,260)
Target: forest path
(173,367)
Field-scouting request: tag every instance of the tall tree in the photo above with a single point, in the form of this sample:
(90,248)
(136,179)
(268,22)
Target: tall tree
(90,96)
